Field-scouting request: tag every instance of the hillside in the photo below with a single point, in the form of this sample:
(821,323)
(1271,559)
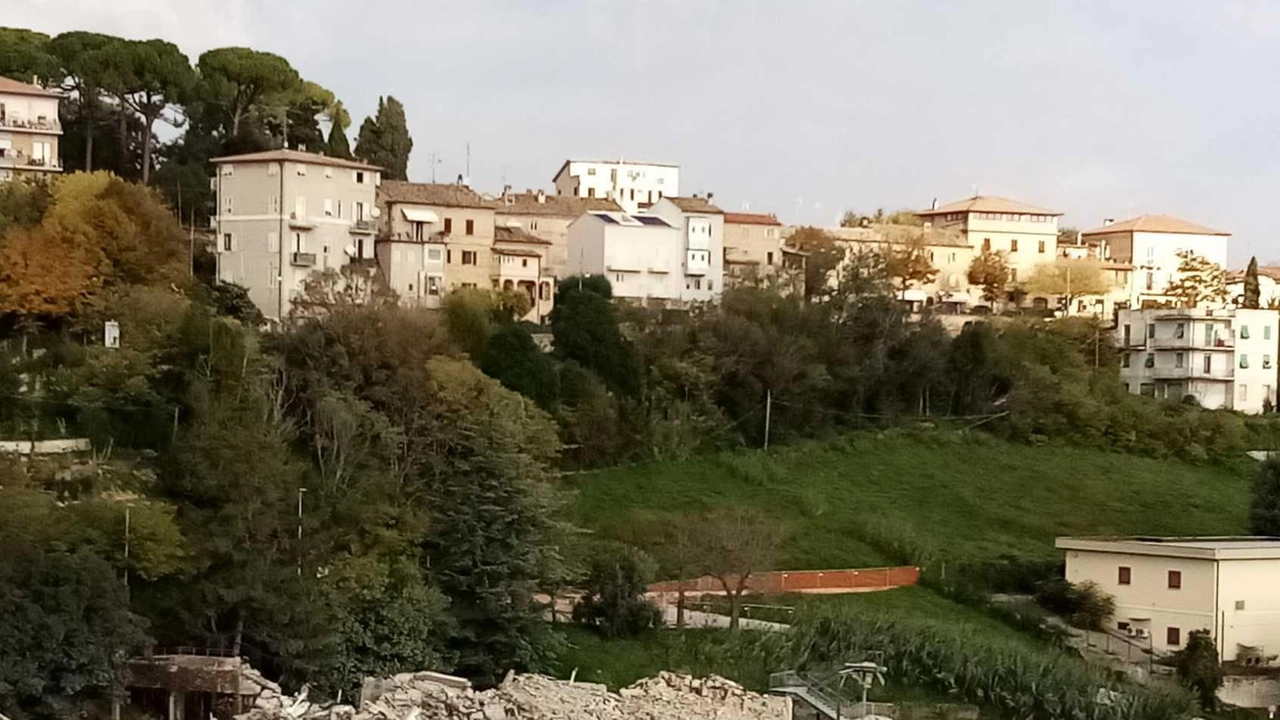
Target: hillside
(869,500)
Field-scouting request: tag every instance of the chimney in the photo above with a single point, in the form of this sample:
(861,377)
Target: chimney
(542,196)
(459,181)
(710,196)
(1108,221)
(934,206)
(506,190)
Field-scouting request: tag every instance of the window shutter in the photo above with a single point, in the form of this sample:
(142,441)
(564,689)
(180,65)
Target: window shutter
(273,241)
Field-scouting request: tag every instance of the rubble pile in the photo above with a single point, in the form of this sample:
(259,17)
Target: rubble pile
(430,696)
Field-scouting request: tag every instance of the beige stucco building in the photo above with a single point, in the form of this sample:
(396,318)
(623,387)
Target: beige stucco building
(435,238)
(1150,244)
(1025,234)
(284,214)
(548,217)
(755,252)
(948,251)
(29,130)
(1165,588)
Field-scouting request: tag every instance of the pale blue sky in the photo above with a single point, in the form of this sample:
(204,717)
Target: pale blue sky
(803,108)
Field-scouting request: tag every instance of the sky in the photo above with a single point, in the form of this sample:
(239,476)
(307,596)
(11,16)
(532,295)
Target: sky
(804,108)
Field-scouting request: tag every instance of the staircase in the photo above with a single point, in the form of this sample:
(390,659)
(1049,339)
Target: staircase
(813,694)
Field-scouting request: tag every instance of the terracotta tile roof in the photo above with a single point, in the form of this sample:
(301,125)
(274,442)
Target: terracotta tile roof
(565,206)
(987,203)
(695,205)
(518,252)
(14,87)
(735,218)
(295,156)
(439,194)
(516,235)
(1155,224)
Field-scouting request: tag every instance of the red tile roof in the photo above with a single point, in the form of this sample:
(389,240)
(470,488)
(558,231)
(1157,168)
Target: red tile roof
(1155,224)
(295,156)
(438,194)
(733,218)
(14,87)
(987,203)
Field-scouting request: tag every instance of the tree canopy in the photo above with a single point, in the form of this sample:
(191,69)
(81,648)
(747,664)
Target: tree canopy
(384,139)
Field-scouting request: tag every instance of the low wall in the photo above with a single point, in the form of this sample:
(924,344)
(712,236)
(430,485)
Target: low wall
(803,581)
(44,447)
(1250,691)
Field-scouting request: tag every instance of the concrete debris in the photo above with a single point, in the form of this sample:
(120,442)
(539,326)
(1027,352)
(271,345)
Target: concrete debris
(429,696)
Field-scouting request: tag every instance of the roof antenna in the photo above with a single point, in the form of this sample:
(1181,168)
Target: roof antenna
(975,190)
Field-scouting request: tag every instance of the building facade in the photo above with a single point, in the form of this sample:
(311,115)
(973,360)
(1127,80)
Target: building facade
(1150,244)
(633,185)
(641,255)
(284,214)
(1224,358)
(29,130)
(548,217)
(701,227)
(1024,234)
(435,238)
(948,251)
(1165,588)
(755,250)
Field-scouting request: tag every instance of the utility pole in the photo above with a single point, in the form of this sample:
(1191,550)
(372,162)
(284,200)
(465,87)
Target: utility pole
(768,416)
(301,490)
(126,548)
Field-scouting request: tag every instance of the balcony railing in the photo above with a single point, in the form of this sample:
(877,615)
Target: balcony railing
(302,259)
(15,158)
(300,221)
(39,123)
(363,227)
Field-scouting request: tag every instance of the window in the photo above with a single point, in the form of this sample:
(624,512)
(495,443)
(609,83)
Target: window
(617,278)
(1266,393)
(591,192)
(226,242)
(1244,362)
(468,257)
(1180,330)
(1122,626)
(433,286)
(419,230)
(471,227)
(274,207)
(1013,245)
(1151,280)
(591,171)
(1239,605)
(273,170)
(1242,393)
(1175,580)
(359,211)
(359,177)
(1124,360)
(1208,334)
(1041,247)
(448,225)
(1208,363)
(986,244)
(328,207)
(769,258)
(1126,334)
(1244,332)
(1173,636)
(273,241)
(299,243)
(1266,332)
(226,205)
(1150,362)
(338,206)
(524,262)
(1013,274)
(273,275)
(1125,575)
(1151,331)
(433,254)
(448,257)
(1178,360)
(697,283)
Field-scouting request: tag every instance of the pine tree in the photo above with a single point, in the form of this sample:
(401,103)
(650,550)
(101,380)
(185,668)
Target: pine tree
(1252,293)
(384,139)
(1264,506)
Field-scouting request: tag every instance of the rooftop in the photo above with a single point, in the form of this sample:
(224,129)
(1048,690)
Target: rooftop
(620,218)
(565,166)
(736,218)
(1233,547)
(502,233)
(297,156)
(1155,224)
(9,86)
(439,194)
(899,235)
(552,205)
(987,204)
(695,205)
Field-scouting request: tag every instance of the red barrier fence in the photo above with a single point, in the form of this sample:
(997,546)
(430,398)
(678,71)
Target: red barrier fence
(803,581)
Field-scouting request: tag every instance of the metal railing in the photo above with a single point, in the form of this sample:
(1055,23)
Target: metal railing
(15,158)
(37,124)
(303,259)
(821,698)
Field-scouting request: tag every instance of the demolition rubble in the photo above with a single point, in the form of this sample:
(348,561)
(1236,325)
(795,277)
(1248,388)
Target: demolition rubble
(428,696)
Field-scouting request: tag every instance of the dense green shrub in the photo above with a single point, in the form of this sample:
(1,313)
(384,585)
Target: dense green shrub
(1084,605)
(613,601)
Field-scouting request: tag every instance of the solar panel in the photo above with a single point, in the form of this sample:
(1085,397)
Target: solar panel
(608,218)
(650,220)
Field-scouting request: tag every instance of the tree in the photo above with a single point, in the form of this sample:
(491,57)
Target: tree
(739,542)
(339,120)
(910,264)
(512,358)
(825,255)
(1069,279)
(384,139)
(680,556)
(25,54)
(46,274)
(586,331)
(990,272)
(613,599)
(82,62)
(1198,668)
(1252,292)
(1264,503)
(152,75)
(238,80)
(1198,280)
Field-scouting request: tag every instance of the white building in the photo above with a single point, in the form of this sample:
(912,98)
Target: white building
(633,185)
(1151,243)
(1225,358)
(1167,587)
(673,254)
(283,214)
(1268,287)
(29,130)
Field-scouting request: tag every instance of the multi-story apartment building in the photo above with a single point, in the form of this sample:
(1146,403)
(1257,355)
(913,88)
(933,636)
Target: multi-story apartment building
(643,256)
(440,237)
(701,227)
(1026,235)
(1164,588)
(633,185)
(755,250)
(284,214)
(1151,243)
(29,130)
(1224,358)
(548,217)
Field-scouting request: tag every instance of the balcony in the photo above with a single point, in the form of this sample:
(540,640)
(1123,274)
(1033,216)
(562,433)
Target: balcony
(302,259)
(19,160)
(1188,373)
(362,227)
(38,125)
(300,222)
(1189,343)
(363,263)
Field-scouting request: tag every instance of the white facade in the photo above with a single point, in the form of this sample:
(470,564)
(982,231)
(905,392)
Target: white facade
(642,256)
(633,185)
(29,130)
(284,214)
(701,227)
(1151,243)
(1167,587)
(1225,358)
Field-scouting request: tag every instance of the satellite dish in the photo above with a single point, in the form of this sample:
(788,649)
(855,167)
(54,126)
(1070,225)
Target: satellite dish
(375,211)
(350,250)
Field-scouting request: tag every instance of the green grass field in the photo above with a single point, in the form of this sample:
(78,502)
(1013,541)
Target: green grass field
(848,502)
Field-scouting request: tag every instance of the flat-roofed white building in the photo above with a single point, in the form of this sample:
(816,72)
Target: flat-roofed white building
(1151,243)
(1167,587)
(643,256)
(633,185)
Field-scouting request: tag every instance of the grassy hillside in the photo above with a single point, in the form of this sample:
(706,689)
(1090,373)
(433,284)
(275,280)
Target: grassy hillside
(861,500)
